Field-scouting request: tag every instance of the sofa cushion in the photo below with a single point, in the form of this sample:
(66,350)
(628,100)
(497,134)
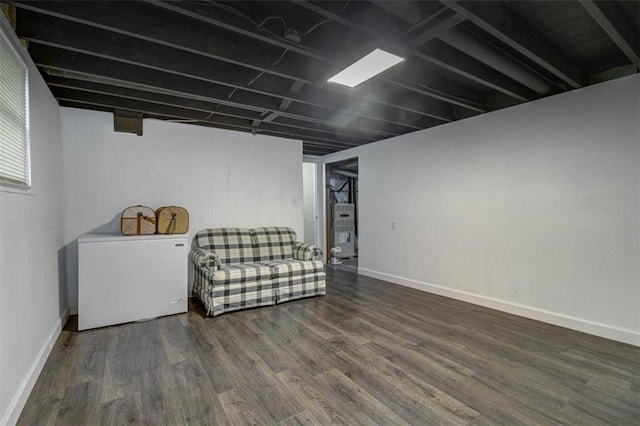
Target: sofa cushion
(234,296)
(241,273)
(231,245)
(289,288)
(275,242)
(291,267)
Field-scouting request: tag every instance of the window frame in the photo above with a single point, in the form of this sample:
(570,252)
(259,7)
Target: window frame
(6,185)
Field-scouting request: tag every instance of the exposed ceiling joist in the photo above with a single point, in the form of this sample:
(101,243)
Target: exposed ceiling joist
(442,25)
(153,56)
(445,56)
(296,86)
(477,105)
(36,29)
(205,107)
(75,79)
(201,15)
(336,17)
(179,114)
(433,27)
(136,21)
(79,64)
(494,18)
(501,62)
(309,147)
(191,115)
(262,66)
(450,61)
(426,20)
(617,26)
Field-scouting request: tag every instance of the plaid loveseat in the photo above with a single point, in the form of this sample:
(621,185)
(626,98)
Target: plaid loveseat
(238,268)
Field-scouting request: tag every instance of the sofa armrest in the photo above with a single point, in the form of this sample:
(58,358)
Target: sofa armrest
(304,251)
(205,259)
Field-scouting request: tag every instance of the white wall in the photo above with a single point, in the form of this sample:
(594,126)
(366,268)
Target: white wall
(32,288)
(222,178)
(319,202)
(309,201)
(532,209)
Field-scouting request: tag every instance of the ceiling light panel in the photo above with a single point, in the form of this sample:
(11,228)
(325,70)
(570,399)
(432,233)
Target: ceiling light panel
(365,68)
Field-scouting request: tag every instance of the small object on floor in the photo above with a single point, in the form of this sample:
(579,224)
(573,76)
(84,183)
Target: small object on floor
(336,256)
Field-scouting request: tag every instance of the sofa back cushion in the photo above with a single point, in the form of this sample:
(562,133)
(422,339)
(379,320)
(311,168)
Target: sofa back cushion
(274,242)
(232,245)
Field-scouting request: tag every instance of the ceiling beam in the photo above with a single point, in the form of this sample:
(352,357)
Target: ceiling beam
(148,55)
(411,12)
(467,100)
(429,17)
(445,56)
(52,58)
(284,118)
(205,107)
(198,13)
(284,105)
(130,21)
(617,26)
(98,42)
(432,27)
(309,147)
(232,24)
(451,60)
(171,67)
(494,18)
(296,86)
(363,29)
(139,21)
(441,20)
(496,59)
(442,25)
(183,114)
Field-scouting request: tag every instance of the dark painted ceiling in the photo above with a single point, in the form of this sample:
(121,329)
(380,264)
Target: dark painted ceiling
(262,66)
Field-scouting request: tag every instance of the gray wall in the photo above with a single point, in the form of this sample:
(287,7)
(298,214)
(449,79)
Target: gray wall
(532,209)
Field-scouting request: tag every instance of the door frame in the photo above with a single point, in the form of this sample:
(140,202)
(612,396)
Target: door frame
(326,202)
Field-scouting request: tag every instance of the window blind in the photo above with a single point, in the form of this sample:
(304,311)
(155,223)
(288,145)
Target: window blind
(14,135)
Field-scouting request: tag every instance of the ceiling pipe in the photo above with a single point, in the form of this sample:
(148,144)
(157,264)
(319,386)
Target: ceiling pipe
(489,55)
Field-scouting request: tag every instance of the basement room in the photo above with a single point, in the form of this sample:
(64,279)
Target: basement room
(305,212)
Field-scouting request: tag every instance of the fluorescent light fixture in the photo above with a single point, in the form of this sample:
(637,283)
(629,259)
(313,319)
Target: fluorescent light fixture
(365,68)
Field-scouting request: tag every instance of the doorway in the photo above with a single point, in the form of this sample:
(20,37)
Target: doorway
(342,214)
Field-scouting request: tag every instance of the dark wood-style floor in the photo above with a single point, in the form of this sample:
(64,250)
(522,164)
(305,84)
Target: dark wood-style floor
(368,353)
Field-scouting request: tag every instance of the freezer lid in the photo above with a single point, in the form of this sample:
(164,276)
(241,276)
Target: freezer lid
(109,238)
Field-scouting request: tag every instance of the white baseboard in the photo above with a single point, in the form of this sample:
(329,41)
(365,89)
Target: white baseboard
(590,327)
(24,390)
